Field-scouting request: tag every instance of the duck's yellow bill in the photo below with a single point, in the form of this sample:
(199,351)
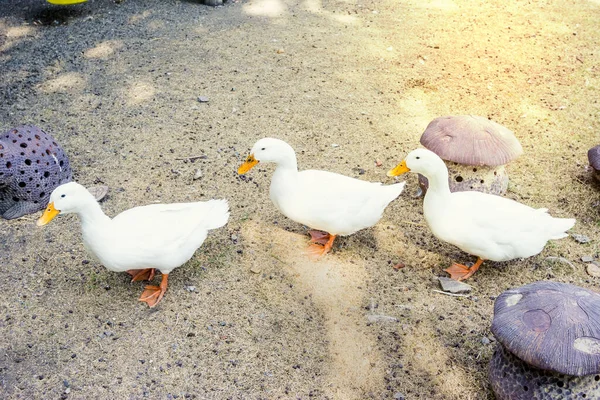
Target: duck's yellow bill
(248,165)
(65,2)
(49,213)
(399,169)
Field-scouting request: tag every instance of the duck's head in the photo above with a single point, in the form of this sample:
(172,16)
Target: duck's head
(421,161)
(65,199)
(268,150)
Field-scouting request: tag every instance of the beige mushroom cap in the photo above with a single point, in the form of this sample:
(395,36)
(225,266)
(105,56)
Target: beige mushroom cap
(471,140)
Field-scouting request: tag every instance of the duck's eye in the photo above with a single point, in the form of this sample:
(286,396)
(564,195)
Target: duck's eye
(62,195)
(418,158)
(263,148)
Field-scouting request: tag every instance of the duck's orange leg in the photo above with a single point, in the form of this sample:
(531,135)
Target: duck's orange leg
(320,237)
(315,250)
(154,294)
(461,272)
(141,274)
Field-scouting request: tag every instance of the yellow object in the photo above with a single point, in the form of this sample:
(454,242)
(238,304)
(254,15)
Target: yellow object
(65,2)
(399,169)
(247,165)
(49,213)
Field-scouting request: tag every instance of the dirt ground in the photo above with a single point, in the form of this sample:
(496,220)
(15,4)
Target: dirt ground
(345,83)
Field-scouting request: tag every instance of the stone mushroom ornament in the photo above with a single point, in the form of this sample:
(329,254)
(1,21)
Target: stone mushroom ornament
(549,343)
(32,165)
(594,159)
(475,151)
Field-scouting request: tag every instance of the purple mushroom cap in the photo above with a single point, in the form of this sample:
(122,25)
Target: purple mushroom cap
(32,165)
(594,157)
(471,140)
(552,326)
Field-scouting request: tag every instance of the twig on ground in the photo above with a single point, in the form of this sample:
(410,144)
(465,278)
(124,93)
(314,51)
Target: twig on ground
(381,318)
(191,158)
(560,259)
(451,294)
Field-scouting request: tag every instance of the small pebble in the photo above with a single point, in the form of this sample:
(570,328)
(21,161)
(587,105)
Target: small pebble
(335,145)
(587,259)
(485,340)
(190,288)
(398,266)
(452,286)
(593,270)
(202,99)
(198,174)
(255,270)
(580,238)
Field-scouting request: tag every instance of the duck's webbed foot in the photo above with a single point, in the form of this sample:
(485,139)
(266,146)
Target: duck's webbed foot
(321,245)
(137,275)
(461,272)
(152,295)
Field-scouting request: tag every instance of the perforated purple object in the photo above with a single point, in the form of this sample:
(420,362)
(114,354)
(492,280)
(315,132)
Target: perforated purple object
(32,165)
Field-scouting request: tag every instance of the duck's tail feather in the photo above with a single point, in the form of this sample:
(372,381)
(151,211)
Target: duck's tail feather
(217,213)
(394,190)
(559,227)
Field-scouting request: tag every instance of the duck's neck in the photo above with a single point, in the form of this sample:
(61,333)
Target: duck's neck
(438,191)
(92,216)
(284,181)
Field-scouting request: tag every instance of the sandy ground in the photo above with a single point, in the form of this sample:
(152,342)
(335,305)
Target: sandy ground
(250,316)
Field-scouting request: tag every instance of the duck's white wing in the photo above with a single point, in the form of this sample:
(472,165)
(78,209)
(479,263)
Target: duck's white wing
(503,228)
(164,236)
(330,201)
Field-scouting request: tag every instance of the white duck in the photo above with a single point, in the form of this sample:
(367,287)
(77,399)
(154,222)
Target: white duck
(331,203)
(484,225)
(141,239)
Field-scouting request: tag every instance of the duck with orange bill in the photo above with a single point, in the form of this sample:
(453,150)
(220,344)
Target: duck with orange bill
(142,239)
(488,226)
(329,203)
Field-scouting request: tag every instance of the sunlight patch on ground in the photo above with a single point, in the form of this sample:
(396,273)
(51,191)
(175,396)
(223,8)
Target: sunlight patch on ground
(336,286)
(446,5)
(533,111)
(13,35)
(66,82)
(345,19)
(156,25)
(421,347)
(266,8)
(104,49)
(138,17)
(19,32)
(140,92)
(313,6)
(414,108)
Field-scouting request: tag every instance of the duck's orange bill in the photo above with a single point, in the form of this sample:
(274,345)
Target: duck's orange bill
(248,165)
(49,213)
(399,169)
